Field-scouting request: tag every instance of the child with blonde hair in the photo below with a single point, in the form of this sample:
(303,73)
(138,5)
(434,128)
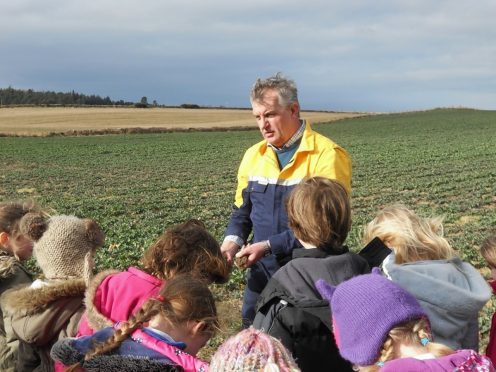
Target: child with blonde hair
(290,308)
(114,296)
(15,248)
(379,326)
(252,351)
(488,251)
(164,335)
(451,291)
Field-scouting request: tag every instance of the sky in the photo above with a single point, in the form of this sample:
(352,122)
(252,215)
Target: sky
(348,55)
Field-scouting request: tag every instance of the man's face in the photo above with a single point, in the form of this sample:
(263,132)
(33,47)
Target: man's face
(276,123)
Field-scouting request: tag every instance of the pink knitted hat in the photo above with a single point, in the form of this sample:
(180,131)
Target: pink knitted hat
(252,350)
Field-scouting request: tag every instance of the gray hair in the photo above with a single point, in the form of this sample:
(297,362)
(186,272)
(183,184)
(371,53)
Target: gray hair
(286,89)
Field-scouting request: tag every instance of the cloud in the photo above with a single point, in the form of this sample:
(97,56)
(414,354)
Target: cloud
(211,51)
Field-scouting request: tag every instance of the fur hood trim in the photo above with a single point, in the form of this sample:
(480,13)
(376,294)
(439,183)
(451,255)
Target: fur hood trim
(34,300)
(8,266)
(64,352)
(96,319)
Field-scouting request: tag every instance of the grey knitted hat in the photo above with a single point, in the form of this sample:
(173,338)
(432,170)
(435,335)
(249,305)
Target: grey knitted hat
(64,246)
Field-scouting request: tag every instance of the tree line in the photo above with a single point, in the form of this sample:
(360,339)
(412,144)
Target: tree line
(29,97)
(11,96)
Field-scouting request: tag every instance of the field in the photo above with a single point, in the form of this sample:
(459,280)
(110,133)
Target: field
(437,162)
(45,120)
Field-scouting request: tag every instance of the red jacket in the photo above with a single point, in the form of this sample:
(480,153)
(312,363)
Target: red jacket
(491,346)
(114,296)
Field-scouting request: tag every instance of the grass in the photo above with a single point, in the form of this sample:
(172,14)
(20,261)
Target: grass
(437,162)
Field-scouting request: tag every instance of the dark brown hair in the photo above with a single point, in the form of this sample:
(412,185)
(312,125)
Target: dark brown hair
(319,212)
(11,214)
(186,248)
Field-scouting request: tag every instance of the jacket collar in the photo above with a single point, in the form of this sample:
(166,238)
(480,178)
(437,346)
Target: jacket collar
(95,318)
(317,252)
(307,143)
(34,300)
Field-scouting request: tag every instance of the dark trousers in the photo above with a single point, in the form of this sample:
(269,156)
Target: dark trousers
(257,278)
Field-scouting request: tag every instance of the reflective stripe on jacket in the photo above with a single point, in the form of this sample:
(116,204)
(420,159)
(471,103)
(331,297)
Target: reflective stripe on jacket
(263,187)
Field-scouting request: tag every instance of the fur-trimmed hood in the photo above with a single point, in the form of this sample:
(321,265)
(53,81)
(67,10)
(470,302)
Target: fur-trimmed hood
(135,357)
(33,300)
(42,315)
(114,296)
(9,265)
(96,319)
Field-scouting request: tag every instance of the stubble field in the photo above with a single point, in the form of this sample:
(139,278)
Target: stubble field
(437,162)
(46,120)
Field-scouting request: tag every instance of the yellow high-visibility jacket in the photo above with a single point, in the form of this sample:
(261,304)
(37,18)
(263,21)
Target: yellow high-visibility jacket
(263,187)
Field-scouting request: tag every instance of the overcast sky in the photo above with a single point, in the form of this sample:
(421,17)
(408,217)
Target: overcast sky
(344,55)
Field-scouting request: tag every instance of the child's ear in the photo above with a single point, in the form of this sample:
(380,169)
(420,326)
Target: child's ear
(198,327)
(4,239)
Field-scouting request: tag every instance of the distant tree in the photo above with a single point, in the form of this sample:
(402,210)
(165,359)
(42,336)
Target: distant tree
(144,101)
(155,104)
(190,106)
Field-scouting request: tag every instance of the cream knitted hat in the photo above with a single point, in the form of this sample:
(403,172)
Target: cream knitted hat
(64,246)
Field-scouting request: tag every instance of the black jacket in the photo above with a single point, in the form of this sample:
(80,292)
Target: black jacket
(291,309)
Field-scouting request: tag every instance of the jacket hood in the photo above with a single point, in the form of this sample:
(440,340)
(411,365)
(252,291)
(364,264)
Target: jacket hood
(461,360)
(40,314)
(9,265)
(452,285)
(31,300)
(96,319)
(295,282)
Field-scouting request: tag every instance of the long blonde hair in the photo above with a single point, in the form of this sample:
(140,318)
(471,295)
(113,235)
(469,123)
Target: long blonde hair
(413,238)
(409,333)
(488,250)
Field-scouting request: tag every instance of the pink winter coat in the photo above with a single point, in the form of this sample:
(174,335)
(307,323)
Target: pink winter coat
(491,346)
(114,296)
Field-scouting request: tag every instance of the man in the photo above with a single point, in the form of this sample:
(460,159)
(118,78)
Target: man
(290,151)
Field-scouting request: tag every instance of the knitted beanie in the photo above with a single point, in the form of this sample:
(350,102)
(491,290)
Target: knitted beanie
(364,309)
(64,246)
(252,350)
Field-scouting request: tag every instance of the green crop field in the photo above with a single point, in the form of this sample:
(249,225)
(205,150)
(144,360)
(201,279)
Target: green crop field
(437,162)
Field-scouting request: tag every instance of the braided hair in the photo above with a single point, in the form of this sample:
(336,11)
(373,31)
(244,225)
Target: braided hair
(409,333)
(183,298)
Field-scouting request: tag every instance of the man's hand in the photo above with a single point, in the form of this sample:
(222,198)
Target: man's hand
(253,252)
(228,250)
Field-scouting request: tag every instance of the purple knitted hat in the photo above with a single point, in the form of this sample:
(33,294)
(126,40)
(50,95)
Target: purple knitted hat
(364,309)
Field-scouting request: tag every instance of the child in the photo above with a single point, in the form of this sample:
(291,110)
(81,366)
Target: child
(290,308)
(114,296)
(50,308)
(379,326)
(451,291)
(14,249)
(488,251)
(180,320)
(252,351)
